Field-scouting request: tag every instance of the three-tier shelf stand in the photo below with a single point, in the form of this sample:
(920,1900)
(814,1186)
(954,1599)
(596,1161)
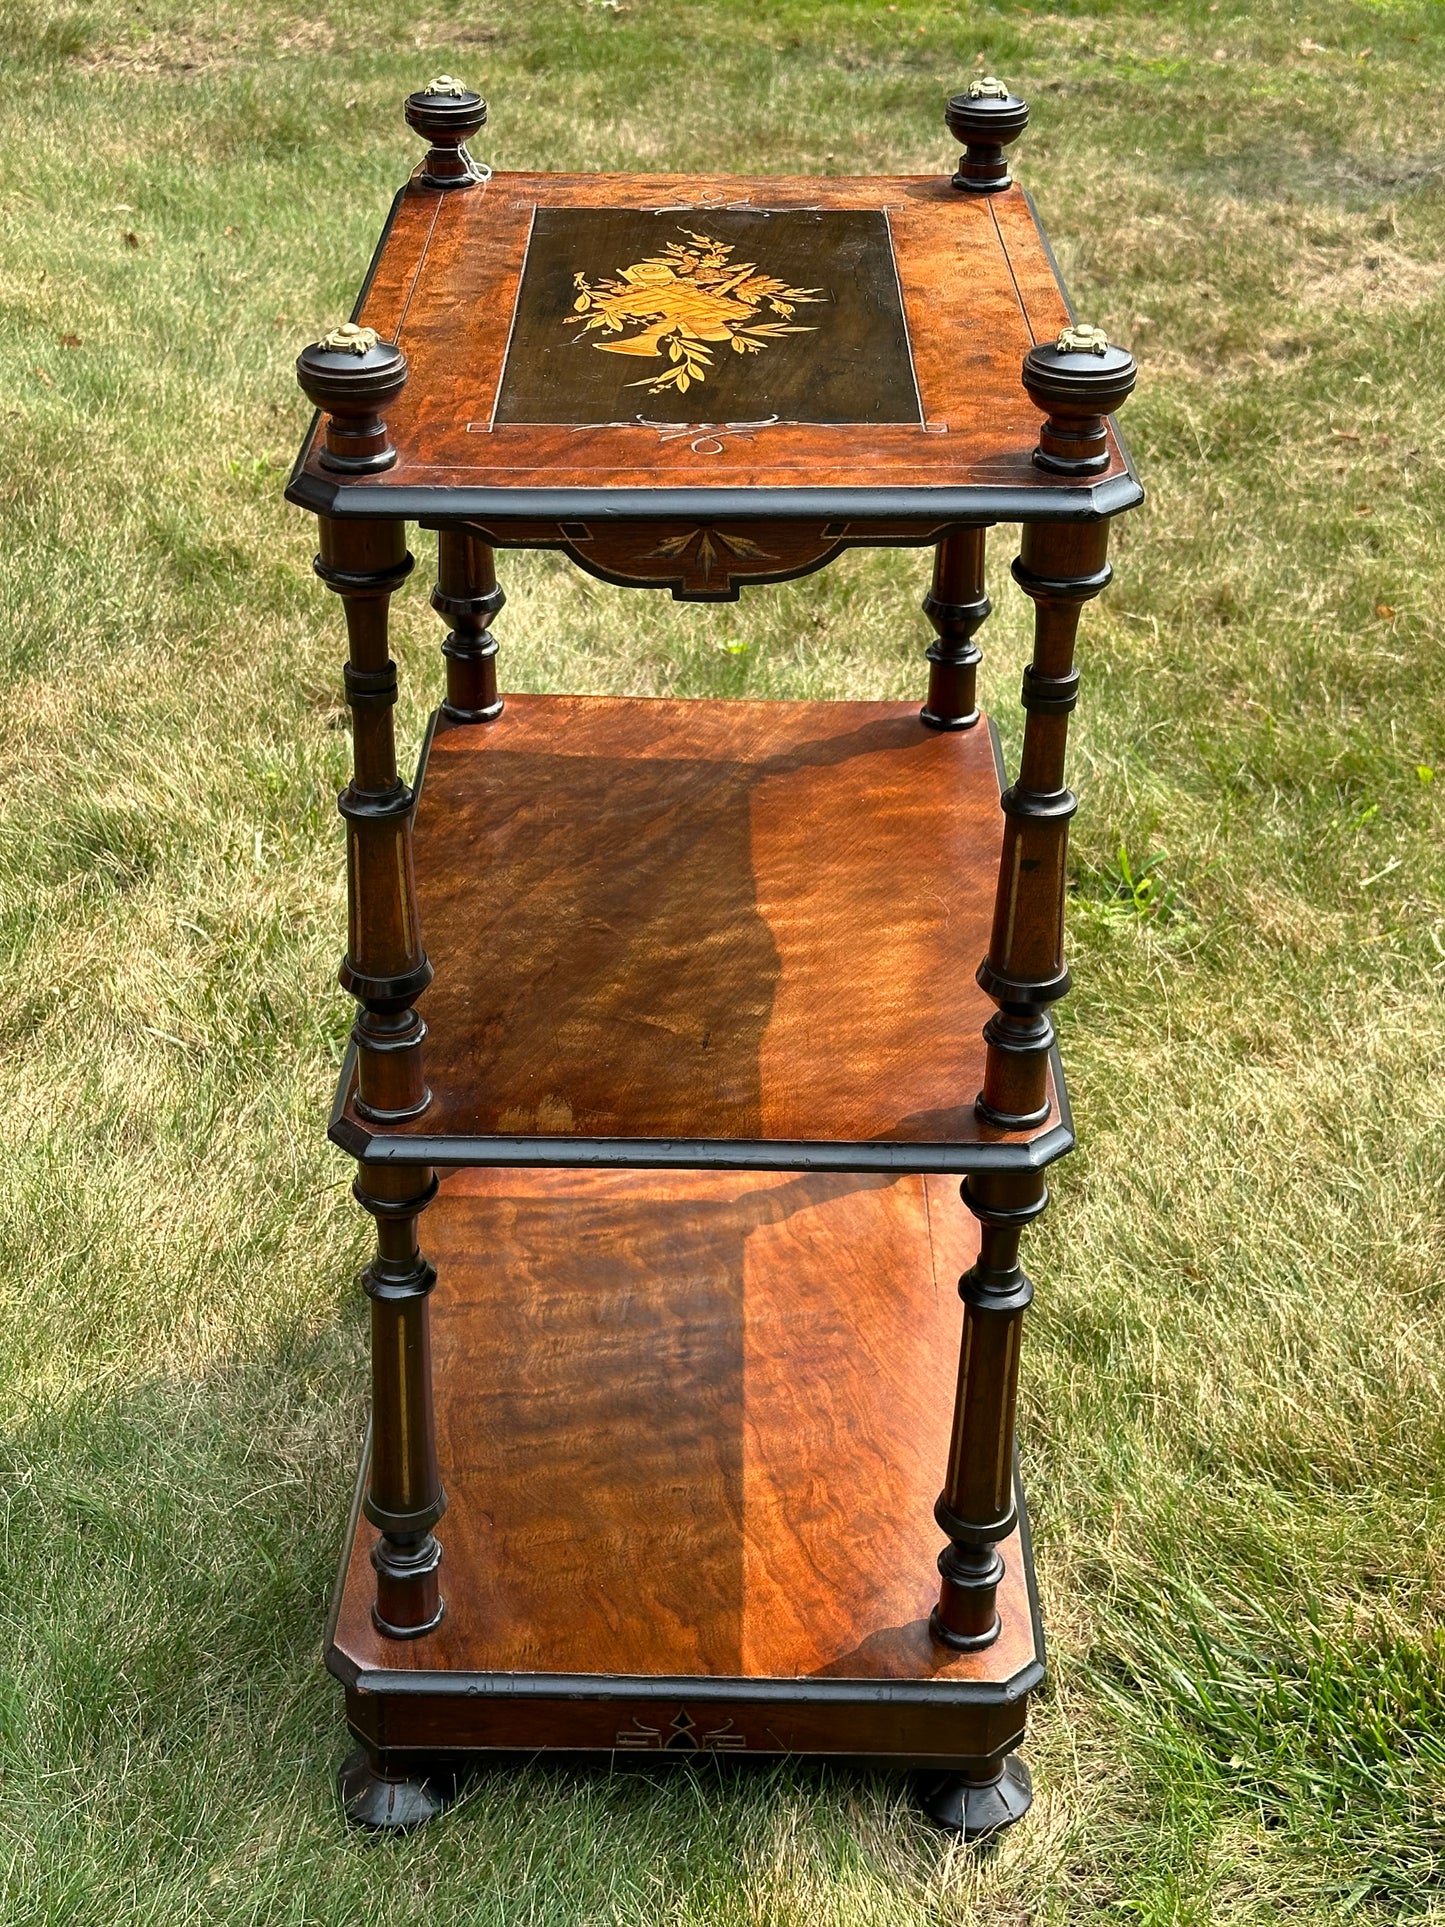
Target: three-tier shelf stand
(674,1398)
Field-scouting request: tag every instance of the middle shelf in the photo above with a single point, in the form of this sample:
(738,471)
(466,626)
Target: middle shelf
(706,933)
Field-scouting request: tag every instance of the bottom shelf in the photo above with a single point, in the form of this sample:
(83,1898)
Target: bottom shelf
(692,1427)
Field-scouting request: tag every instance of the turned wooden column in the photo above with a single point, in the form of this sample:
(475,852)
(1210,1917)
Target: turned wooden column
(467,596)
(976,1507)
(353,376)
(386,969)
(957,607)
(404,1497)
(1060,567)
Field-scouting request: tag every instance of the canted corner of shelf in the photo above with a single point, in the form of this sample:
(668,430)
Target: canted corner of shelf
(349,1136)
(1037,1153)
(1024,1683)
(348,1672)
(307,491)
(343,1128)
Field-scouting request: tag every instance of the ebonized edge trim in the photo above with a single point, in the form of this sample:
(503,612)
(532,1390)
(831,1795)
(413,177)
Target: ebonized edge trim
(1000,768)
(699,1154)
(1086,502)
(806,1690)
(348,1539)
(670,1688)
(428,1759)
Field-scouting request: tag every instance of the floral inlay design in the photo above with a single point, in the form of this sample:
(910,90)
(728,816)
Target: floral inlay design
(684,303)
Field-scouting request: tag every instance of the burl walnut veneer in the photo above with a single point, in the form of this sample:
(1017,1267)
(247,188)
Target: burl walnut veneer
(686,1356)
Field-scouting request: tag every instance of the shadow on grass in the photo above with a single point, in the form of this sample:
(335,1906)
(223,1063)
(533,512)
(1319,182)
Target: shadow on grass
(170,1741)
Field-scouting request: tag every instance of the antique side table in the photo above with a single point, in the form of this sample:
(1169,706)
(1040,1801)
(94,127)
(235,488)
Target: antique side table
(662,1130)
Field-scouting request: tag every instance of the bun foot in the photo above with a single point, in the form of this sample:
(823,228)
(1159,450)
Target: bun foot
(384,1805)
(977,1807)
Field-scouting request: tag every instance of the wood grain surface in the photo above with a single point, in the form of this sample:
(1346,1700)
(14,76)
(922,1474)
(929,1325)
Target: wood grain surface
(977,286)
(692,1425)
(664,920)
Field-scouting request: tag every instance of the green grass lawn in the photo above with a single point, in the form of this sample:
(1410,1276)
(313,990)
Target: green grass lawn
(1232,1409)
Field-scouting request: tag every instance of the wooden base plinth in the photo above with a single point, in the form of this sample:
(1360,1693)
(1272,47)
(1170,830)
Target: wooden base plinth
(691,1426)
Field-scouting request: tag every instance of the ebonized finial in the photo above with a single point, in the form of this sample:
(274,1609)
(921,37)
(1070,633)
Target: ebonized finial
(1077,381)
(352,374)
(447,113)
(985,117)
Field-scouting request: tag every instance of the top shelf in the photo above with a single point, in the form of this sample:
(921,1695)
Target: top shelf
(833,329)
(737,935)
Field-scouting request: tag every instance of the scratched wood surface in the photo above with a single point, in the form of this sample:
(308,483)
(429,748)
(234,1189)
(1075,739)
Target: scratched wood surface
(977,291)
(692,1424)
(667,919)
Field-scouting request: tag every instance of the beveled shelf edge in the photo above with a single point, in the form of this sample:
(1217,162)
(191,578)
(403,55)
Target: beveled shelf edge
(343,1558)
(806,1689)
(699,1154)
(1079,502)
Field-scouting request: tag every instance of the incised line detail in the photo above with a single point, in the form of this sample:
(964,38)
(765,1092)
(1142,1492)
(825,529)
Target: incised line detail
(676,547)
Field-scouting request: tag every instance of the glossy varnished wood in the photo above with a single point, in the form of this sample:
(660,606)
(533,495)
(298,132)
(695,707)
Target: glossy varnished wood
(691,1426)
(668,924)
(977,287)
(718,962)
